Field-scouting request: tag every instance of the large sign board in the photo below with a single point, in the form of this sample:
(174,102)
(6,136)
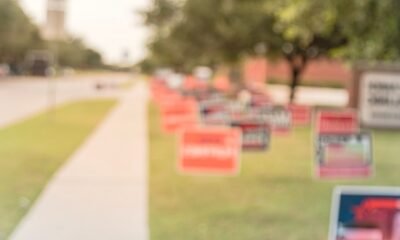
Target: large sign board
(365,213)
(380,99)
(210,150)
(344,155)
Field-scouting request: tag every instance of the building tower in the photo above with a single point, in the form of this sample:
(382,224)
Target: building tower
(55,22)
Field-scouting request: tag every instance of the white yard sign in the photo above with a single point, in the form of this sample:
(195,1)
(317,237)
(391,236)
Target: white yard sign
(380,99)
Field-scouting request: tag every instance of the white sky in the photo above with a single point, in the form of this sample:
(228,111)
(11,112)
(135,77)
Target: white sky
(109,26)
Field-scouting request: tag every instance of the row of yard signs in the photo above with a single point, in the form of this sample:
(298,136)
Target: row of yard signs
(205,120)
(364,213)
(214,130)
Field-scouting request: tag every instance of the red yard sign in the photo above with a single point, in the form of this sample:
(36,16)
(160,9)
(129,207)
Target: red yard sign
(337,122)
(301,115)
(166,96)
(278,117)
(344,155)
(259,100)
(179,114)
(341,150)
(157,88)
(192,82)
(210,150)
(222,83)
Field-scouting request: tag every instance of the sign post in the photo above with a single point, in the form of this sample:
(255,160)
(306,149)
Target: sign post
(54,31)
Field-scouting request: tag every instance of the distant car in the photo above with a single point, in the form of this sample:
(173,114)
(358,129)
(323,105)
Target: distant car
(39,63)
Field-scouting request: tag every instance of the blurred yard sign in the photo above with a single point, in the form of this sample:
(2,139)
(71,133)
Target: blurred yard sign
(163,73)
(301,115)
(255,70)
(259,99)
(365,213)
(344,155)
(203,73)
(256,135)
(222,82)
(337,122)
(341,150)
(210,150)
(191,83)
(179,114)
(278,117)
(203,94)
(214,112)
(164,96)
(376,93)
(175,80)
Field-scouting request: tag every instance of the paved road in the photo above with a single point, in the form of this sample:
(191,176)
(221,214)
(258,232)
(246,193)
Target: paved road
(23,97)
(101,193)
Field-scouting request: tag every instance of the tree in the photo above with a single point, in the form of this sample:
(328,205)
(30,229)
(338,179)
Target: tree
(18,36)
(93,59)
(207,32)
(224,31)
(17,33)
(74,53)
(298,31)
(304,30)
(373,30)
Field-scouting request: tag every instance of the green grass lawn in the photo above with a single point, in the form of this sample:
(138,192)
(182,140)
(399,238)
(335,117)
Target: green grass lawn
(275,197)
(31,151)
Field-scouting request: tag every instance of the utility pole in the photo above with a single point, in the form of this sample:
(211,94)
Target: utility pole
(54,31)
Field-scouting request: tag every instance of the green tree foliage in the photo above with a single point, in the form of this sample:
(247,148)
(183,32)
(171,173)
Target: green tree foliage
(74,53)
(17,33)
(19,36)
(204,32)
(305,30)
(373,30)
(211,32)
(208,32)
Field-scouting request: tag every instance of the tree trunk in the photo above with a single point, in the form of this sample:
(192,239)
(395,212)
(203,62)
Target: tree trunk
(296,73)
(235,77)
(297,65)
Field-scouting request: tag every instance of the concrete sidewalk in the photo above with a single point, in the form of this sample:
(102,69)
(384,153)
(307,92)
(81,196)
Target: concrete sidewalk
(101,193)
